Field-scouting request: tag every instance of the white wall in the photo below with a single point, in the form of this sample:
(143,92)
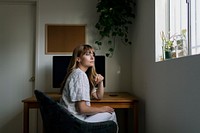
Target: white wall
(17,41)
(78,12)
(168,91)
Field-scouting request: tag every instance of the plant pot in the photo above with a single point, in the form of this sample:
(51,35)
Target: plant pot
(168,54)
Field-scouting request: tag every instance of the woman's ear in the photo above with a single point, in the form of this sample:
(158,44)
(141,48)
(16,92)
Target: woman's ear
(78,59)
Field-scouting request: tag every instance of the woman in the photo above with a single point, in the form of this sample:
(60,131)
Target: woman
(79,86)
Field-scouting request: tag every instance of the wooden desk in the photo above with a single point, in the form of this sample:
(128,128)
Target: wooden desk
(112,99)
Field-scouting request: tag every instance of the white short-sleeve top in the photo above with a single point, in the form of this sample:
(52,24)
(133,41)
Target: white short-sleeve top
(76,88)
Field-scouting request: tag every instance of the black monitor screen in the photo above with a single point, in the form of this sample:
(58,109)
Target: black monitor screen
(60,64)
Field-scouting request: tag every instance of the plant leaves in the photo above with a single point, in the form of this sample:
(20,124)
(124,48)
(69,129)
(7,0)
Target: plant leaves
(114,18)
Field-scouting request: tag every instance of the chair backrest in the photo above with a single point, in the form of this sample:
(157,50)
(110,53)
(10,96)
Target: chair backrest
(55,118)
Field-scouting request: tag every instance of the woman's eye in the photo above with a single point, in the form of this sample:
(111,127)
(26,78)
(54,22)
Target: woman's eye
(89,53)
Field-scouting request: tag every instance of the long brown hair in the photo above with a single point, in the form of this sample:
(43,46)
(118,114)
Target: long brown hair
(91,72)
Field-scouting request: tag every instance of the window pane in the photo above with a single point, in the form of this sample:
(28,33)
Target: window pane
(178,16)
(195,26)
(178,23)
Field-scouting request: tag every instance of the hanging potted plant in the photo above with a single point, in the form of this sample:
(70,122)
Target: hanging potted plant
(114,18)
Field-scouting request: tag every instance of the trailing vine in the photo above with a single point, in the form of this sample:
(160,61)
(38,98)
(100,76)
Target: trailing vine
(114,18)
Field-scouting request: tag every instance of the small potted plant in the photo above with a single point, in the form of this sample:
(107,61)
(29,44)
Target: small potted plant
(114,18)
(168,48)
(172,43)
(181,47)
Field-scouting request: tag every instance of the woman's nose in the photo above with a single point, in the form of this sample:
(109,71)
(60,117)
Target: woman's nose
(92,56)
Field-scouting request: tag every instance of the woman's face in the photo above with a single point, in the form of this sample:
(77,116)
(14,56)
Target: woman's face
(87,60)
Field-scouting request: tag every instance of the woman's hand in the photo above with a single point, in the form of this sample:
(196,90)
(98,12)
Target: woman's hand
(99,78)
(107,109)
(98,94)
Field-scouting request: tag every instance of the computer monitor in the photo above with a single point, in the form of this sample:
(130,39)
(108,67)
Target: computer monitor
(60,64)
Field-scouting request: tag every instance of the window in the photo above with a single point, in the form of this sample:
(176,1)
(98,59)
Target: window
(195,26)
(177,28)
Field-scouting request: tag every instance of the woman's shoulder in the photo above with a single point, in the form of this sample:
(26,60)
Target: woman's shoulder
(77,72)
(77,75)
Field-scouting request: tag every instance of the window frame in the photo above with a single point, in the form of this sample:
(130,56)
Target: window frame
(164,19)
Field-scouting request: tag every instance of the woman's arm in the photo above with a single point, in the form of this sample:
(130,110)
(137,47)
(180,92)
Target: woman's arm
(98,94)
(82,108)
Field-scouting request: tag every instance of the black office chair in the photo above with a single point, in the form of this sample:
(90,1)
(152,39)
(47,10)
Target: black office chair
(56,119)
